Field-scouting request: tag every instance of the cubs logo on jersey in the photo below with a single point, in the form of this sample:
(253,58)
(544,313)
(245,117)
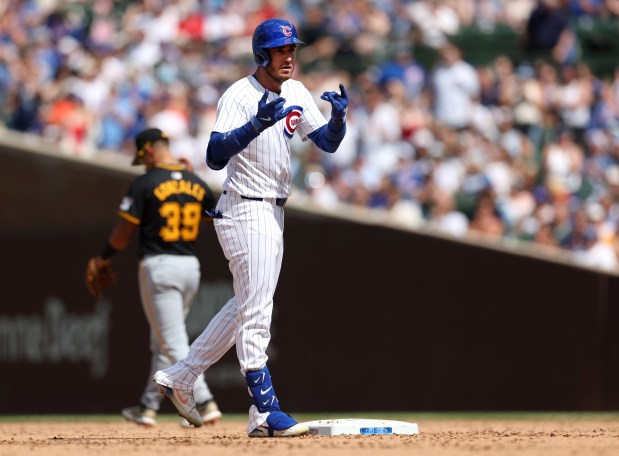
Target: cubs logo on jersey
(292,120)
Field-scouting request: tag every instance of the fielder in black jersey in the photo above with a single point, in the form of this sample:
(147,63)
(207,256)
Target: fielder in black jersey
(166,206)
(167,203)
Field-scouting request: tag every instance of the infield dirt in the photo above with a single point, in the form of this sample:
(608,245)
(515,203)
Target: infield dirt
(437,438)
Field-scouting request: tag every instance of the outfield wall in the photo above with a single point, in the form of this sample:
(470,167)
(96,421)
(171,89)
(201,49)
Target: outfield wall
(367,317)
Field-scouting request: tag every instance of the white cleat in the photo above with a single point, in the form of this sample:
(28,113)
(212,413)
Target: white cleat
(293,431)
(182,399)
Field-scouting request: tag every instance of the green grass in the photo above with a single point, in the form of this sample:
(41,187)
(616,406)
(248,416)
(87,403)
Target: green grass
(403,416)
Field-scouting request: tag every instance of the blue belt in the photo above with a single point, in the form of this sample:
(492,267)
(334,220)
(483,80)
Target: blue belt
(278,201)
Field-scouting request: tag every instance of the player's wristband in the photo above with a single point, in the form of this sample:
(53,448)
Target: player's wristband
(338,118)
(257,125)
(335,132)
(336,125)
(108,251)
(329,136)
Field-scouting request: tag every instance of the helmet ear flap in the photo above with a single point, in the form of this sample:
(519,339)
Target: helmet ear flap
(261,57)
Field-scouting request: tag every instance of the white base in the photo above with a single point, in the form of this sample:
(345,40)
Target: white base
(360,426)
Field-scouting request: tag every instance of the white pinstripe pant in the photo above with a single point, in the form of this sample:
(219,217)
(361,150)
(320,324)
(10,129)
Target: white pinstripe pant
(251,236)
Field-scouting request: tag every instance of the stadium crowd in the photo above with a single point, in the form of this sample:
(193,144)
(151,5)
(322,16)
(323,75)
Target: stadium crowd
(525,150)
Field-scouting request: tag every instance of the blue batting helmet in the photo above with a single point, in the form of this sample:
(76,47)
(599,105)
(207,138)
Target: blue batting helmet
(272,33)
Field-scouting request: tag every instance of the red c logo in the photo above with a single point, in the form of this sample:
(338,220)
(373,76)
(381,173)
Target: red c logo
(287,30)
(292,121)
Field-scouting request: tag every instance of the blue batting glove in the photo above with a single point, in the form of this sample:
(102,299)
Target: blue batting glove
(269,113)
(339,104)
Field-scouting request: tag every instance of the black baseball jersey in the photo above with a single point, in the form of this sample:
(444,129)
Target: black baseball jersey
(167,203)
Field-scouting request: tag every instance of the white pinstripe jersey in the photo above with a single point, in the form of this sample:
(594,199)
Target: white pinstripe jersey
(262,169)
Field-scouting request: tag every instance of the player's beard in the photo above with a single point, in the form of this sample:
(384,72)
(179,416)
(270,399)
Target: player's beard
(278,75)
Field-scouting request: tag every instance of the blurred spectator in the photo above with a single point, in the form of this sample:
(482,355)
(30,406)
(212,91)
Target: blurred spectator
(574,98)
(381,130)
(454,85)
(517,12)
(119,116)
(605,110)
(435,19)
(548,32)
(486,218)
(320,45)
(405,69)
(24,106)
(444,218)
(602,252)
(563,164)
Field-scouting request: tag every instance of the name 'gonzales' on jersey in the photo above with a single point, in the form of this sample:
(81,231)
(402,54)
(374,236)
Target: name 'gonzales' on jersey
(175,187)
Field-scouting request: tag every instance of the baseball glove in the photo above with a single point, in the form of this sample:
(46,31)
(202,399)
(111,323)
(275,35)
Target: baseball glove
(99,275)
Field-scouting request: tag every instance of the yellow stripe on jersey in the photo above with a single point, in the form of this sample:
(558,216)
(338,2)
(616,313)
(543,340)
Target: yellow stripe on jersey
(129,217)
(170,167)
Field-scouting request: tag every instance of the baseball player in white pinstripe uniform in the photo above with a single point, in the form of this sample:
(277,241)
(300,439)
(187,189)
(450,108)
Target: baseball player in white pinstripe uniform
(256,120)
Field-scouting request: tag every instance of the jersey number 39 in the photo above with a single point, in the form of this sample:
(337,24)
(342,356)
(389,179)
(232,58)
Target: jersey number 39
(182,222)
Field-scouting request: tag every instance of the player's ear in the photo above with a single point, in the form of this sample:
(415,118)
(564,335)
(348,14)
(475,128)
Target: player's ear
(150,151)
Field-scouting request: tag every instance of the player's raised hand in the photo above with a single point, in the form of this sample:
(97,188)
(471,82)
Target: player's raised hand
(339,103)
(269,113)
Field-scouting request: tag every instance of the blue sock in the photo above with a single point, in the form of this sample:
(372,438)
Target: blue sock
(261,390)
